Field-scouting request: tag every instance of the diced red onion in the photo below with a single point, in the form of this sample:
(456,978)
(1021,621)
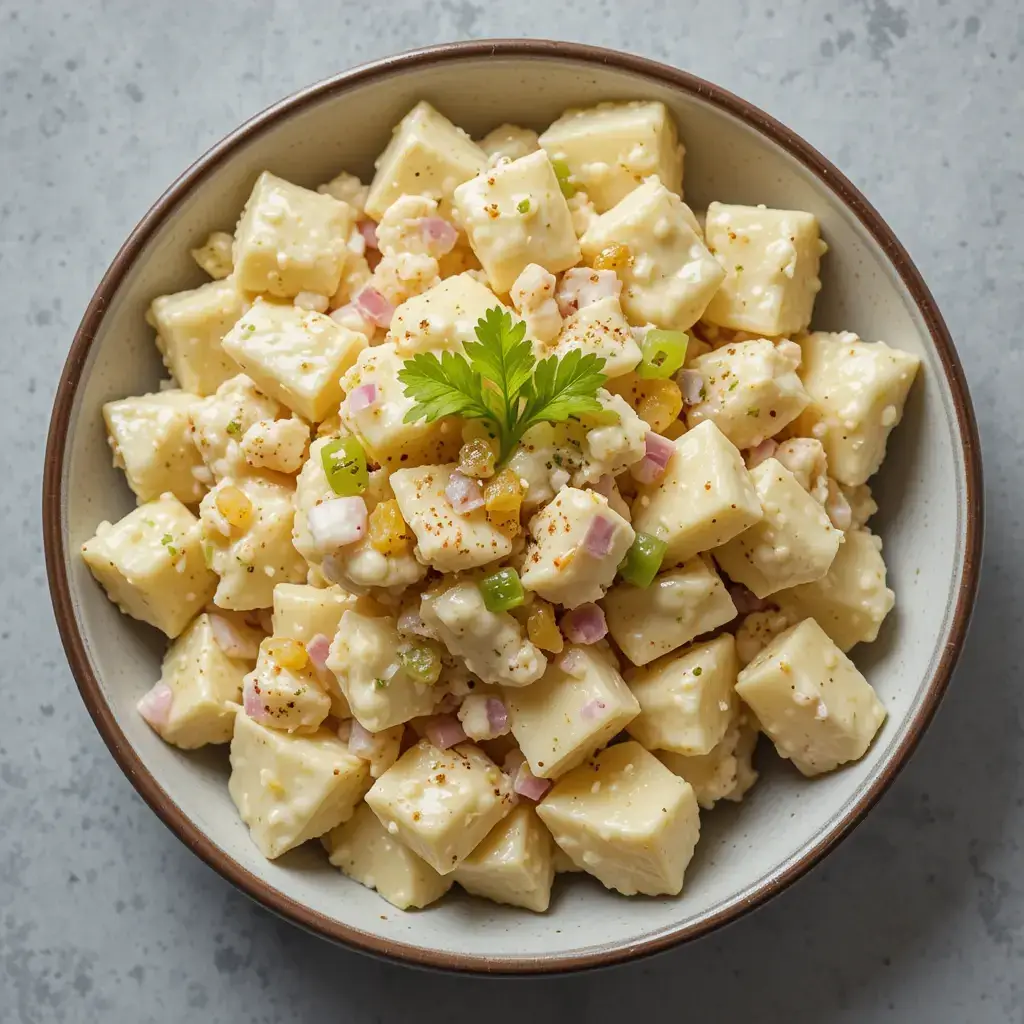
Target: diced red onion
(362,397)
(155,705)
(234,642)
(745,600)
(361,742)
(581,286)
(497,717)
(765,450)
(374,306)
(444,731)
(584,625)
(598,539)
(658,451)
(337,522)
(369,232)
(527,784)
(438,235)
(318,648)
(572,663)
(464,493)
(691,384)
(592,709)
(252,704)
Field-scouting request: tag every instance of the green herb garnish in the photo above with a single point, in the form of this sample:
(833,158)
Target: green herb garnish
(502,383)
(234,428)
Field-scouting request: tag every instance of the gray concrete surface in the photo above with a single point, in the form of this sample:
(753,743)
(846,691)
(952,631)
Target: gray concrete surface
(105,917)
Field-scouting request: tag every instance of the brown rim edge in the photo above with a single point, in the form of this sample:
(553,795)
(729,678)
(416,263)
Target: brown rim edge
(53,537)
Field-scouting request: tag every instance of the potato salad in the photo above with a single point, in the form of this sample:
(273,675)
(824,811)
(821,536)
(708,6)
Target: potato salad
(494,509)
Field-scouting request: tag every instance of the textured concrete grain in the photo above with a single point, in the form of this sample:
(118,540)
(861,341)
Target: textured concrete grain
(105,918)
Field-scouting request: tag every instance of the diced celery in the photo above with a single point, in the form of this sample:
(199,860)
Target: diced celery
(663,352)
(344,462)
(643,560)
(502,590)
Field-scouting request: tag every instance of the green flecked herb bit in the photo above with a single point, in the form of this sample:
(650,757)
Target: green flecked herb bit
(500,381)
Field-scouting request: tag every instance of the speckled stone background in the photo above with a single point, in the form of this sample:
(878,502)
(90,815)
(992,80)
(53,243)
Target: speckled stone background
(105,917)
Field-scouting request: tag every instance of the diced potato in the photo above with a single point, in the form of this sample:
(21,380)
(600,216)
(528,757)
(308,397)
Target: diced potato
(290,239)
(364,850)
(609,449)
(725,773)
(794,543)
(252,558)
(445,540)
(427,156)
(805,458)
(751,391)
(686,698)
(672,276)
(678,606)
(290,788)
(858,390)
(282,696)
(151,441)
(491,644)
(220,421)
(206,686)
(151,565)
(851,600)
(301,612)
(443,318)
(348,189)
(515,215)
(658,402)
(190,327)
(626,819)
(381,426)
(214,255)
(364,658)
(442,803)
(563,863)
(513,864)
(570,712)
(558,565)
(509,142)
(612,148)
(705,498)
(601,329)
(295,355)
(277,445)
(759,629)
(382,750)
(771,260)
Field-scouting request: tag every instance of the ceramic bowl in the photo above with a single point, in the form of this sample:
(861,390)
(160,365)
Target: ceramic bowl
(929,493)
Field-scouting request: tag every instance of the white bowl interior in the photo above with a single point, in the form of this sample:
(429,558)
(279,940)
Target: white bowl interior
(920,491)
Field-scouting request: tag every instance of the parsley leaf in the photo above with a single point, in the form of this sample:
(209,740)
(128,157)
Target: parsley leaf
(499,380)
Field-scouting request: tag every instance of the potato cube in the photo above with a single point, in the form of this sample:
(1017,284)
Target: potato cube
(190,327)
(349,189)
(151,565)
(442,803)
(442,318)
(686,698)
(725,773)
(578,705)
(295,355)
(290,239)
(364,850)
(851,600)
(608,449)
(365,659)
(278,445)
(491,644)
(151,440)
(558,564)
(751,391)
(794,543)
(513,864)
(705,498)
(601,329)
(214,255)
(445,540)
(611,148)
(301,612)
(281,696)
(679,605)
(290,788)
(427,156)
(509,142)
(858,390)
(671,276)
(205,686)
(381,426)
(771,260)
(515,215)
(818,710)
(626,819)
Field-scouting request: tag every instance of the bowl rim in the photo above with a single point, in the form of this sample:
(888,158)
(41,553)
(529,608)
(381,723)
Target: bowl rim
(53,504)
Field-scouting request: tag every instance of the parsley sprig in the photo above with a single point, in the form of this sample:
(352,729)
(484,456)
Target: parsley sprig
(500,381)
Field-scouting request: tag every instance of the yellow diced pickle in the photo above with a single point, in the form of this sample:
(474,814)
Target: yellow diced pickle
(287,653)
(657,401)
(234,505)
(542,628)
(616,256)
(388,531)
(504,493)
(476,458)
